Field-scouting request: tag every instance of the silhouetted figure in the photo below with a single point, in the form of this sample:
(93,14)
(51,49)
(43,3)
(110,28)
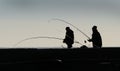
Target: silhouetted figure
(96,38)
(69,37)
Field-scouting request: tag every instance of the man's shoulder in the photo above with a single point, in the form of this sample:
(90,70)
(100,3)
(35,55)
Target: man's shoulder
(71,30)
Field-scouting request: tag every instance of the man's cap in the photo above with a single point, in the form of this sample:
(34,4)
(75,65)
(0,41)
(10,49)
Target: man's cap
(94,27)
(67,27)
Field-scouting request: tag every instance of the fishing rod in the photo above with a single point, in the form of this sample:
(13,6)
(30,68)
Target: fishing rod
(43,37)
(72,26)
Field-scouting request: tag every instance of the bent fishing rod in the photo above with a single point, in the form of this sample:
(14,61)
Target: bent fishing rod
(43,37)
(72,26)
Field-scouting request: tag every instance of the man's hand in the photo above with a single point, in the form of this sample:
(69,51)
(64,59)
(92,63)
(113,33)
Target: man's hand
(89,40)
(64,41)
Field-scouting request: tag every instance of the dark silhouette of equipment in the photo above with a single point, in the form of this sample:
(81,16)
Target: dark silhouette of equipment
(83,46)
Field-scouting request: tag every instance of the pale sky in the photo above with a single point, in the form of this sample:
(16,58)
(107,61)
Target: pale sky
(20,19)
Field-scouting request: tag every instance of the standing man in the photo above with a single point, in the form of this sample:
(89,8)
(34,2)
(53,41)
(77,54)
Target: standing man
(69,37)
(96,38)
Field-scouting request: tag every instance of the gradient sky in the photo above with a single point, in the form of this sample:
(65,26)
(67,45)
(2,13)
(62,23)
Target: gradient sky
(20,19)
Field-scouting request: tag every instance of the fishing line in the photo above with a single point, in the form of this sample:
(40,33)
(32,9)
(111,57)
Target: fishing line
(71,25)
(36,38)
(42,37)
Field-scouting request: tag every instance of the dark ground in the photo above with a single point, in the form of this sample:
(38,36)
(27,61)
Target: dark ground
(77,59)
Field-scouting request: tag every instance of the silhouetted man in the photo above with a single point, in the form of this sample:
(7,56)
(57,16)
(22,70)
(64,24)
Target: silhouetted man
(69,37)
(96,38)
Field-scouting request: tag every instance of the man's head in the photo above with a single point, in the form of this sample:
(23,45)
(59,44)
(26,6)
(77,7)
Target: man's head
(94,28)
(67,28)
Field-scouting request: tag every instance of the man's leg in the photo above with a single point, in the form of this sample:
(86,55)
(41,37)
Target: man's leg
(69,45)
